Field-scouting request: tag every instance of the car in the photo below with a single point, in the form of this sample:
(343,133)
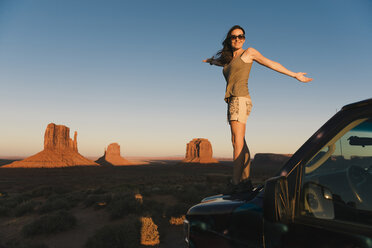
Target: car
(322,196)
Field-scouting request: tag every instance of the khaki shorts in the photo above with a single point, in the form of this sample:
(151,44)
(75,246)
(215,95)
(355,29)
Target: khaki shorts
(238,108)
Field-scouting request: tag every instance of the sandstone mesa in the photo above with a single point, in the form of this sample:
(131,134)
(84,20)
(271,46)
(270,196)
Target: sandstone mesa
(112,156)
(199,150)
(59,151)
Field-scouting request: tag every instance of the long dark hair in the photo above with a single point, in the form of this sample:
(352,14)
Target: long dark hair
(225,55)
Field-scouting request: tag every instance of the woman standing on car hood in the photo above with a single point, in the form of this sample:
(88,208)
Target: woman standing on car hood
(237,64)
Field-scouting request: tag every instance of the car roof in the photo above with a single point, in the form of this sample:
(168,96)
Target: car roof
(337,118)
(358,104)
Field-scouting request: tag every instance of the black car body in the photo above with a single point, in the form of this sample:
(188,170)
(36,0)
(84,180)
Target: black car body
(322,197)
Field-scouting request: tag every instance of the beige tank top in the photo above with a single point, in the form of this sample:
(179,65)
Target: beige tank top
(236,74)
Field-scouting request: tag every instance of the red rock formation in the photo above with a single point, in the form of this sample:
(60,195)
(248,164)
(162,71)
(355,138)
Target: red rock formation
(112,156)
(59,151)
(57,138)
(199,151)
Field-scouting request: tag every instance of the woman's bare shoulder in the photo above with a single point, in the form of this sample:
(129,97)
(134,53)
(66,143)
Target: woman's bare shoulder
(250,51)
(248,55)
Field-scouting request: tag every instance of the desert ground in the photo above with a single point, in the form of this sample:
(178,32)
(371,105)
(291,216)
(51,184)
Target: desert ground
(92,206)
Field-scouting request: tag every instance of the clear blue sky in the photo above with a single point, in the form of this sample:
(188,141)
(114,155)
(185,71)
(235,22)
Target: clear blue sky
(131,72)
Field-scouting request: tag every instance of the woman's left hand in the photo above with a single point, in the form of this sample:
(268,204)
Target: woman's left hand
(300,76)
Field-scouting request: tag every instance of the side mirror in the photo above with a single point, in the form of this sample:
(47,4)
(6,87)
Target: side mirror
(276,200)
(318,201)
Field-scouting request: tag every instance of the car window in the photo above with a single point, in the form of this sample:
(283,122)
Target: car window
(337,181)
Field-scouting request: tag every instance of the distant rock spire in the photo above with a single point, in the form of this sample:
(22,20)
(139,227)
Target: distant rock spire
(75,142)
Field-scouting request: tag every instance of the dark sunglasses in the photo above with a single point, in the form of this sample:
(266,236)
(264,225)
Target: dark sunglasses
(240,37)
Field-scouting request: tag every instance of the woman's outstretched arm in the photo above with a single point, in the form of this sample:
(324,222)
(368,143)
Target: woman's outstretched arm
(253,54)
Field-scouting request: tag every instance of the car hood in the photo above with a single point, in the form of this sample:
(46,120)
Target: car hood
(226,204)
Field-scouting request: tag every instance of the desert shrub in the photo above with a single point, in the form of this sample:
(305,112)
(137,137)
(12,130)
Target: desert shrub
(24,208)
(165,189)
(53,204)
(19,244)
(147,192)
(149,232)
(94,199)
(4,211)
(177,221)
(122,205)
(51,223)
(11,202)
(126,234)
(24,197)
(158,212)
(49,190)
(127,189)
(123,188)
(3,194)
(75,197)
(14,200)
(158,188)
(153,188)
(97,191)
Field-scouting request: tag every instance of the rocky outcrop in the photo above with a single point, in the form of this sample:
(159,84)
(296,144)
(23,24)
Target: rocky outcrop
(199,151)
(266,165)
(59,151)
(112,156)
(57,138)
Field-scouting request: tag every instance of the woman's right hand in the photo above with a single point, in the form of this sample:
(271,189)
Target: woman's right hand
(300,76)
(213,61)
(209,60)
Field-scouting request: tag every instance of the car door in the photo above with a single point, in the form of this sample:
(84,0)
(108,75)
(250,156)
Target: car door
(334,201)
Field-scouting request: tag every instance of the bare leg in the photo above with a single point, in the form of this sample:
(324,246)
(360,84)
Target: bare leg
(247,162)
(241,152)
